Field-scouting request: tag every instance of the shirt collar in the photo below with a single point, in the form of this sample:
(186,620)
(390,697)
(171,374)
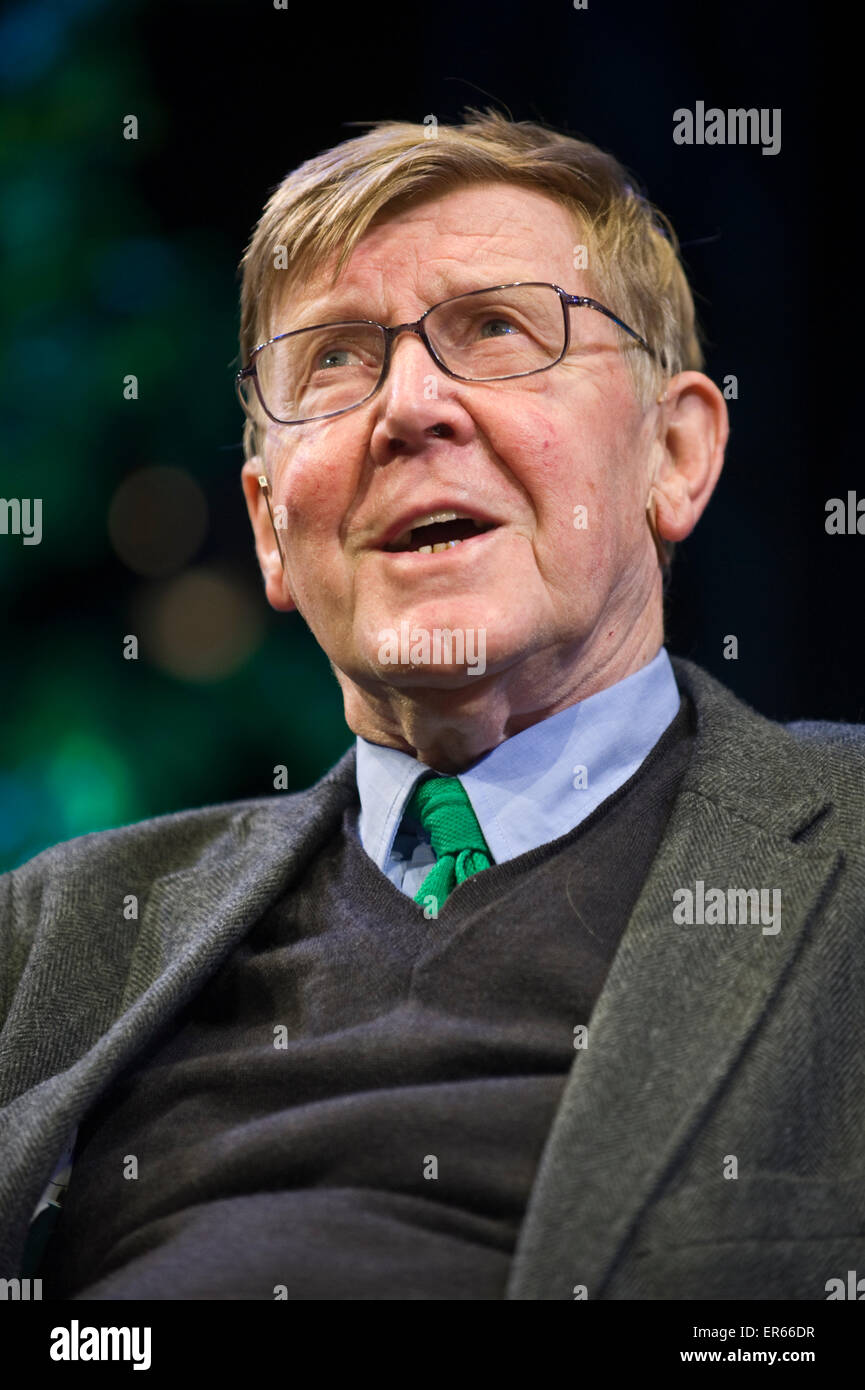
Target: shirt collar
(539,784)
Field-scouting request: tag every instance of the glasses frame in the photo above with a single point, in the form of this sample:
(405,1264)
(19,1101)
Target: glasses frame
(249,372)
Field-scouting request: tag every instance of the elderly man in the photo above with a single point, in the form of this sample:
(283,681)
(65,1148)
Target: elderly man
(553,987)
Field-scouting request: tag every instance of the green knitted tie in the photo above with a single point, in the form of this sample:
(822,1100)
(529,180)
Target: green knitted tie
(445,812)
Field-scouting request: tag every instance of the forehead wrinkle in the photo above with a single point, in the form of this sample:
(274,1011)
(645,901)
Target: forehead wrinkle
(353,296)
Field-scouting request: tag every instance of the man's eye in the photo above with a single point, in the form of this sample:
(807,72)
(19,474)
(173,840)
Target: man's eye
(335,357)
(497,328)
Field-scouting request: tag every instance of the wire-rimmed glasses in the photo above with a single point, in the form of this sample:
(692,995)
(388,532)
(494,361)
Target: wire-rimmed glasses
(493,334)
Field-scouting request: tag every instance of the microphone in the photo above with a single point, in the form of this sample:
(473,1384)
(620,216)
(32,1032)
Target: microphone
(265,487)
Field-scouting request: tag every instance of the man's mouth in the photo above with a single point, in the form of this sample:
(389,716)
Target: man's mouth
(438,531)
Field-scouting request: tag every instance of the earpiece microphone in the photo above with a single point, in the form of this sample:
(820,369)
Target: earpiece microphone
(265,487)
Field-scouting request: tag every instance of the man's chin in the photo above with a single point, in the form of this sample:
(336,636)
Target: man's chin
(438,657)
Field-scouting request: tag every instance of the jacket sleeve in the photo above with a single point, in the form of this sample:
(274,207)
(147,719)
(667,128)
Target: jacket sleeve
(21,893)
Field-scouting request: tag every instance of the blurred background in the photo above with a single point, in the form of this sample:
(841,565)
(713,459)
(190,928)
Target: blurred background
(119,261)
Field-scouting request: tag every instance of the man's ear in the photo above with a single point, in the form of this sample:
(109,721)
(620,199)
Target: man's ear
(692,436)
(267,542)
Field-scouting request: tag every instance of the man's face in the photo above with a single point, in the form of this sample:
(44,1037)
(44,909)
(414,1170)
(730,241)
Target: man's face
(522,453)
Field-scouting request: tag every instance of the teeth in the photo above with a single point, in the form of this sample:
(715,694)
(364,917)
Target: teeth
(434,549)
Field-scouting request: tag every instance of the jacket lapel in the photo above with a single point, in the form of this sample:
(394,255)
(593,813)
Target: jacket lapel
(189,924)
(195,917)
(680,1001)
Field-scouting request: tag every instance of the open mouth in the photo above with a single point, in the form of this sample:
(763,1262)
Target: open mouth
(440,534)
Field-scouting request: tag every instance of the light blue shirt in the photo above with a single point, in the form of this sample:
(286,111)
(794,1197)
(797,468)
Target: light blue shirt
(534,787)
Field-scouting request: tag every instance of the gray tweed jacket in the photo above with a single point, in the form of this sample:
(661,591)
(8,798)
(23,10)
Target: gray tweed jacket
(710,1141)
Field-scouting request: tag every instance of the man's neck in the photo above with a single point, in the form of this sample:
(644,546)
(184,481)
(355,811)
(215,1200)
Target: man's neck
(451,729)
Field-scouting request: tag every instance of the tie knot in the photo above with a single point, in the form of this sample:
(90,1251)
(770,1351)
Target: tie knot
(442,806)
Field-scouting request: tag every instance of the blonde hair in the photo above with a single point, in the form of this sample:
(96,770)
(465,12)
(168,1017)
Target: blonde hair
(327,203)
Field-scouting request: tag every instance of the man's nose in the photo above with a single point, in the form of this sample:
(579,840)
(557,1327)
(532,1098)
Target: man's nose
(417,400)
(413,369)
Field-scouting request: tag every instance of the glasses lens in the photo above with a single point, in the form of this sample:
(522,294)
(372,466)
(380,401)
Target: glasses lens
(317,371)
(499,333)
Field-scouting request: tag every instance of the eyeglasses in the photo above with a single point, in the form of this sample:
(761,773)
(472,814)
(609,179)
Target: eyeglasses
(495,334)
